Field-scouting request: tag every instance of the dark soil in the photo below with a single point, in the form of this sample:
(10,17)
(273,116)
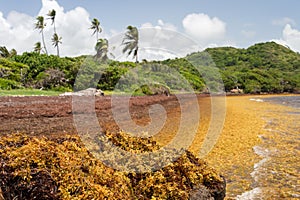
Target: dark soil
(48,116)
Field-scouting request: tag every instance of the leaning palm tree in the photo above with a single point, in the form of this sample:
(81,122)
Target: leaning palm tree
(4,53)
(12,53)
(52,14)
(101,49)
(55,42)
(96,27)
(38,47)
(131,41)
(40,25)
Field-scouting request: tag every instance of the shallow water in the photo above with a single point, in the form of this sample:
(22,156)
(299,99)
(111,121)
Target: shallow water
(277,174)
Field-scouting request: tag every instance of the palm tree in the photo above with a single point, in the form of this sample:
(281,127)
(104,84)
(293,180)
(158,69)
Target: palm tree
(12,53)
(38,47)
(40,25)
(96,27)
(4,53)
(131,41)
(52,14)
(55,42)
(102,49)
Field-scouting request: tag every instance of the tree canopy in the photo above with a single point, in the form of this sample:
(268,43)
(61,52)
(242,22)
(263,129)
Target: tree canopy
(261,68)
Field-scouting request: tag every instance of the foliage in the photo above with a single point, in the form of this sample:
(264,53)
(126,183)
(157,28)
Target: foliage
(262,68)
(101,50)
(95,26)
(152,89)
(56,40)
(39,63)
(6,84)
(40,25)
(131,42)
(4,53)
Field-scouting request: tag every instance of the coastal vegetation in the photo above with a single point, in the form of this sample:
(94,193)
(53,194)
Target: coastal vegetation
(261,68)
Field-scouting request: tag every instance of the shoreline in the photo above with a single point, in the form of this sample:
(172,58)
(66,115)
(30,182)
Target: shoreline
(236,154)
(233,155)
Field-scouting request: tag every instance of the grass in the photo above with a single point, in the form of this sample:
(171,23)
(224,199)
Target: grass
(29,92)
(37,92)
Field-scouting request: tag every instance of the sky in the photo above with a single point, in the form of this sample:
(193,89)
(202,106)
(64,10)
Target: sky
(167,26)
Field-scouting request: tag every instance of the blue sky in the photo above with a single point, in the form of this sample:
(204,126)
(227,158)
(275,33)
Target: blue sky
(238,23)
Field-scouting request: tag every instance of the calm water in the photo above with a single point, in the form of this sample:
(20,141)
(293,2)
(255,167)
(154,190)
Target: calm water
(277,174)
(292,101)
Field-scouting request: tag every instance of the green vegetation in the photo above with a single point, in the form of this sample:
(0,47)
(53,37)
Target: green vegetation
(29,92)
(40,25)
(262,68)
(265,67)
(131,42)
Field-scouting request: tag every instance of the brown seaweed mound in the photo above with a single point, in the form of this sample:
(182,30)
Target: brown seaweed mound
(62,168)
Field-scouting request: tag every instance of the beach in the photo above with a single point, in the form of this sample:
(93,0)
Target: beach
(257,150)
(251,153)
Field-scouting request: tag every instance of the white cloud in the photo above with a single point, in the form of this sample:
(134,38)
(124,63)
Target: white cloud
(17,30)
(290,38)
(204,28)
(156,43)
(161,41)
(160,25)
(283,21)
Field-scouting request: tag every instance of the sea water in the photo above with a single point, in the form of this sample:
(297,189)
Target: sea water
(277,174)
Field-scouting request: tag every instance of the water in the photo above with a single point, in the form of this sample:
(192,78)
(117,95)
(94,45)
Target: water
(291,101)
(277,174)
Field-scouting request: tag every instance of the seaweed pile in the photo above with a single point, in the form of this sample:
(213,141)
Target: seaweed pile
(62,168)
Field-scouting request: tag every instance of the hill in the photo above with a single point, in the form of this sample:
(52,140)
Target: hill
(264,67)
(261,68)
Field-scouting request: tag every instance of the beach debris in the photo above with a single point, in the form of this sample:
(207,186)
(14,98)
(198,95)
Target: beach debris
(62,168)
(86,92)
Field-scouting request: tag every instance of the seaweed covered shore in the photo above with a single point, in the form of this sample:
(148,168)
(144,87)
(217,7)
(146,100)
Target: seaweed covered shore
(34,167)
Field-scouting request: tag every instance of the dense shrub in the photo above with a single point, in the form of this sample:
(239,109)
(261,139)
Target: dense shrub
(262,68)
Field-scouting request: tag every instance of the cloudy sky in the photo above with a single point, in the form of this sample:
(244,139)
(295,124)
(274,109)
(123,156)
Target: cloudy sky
(207,23)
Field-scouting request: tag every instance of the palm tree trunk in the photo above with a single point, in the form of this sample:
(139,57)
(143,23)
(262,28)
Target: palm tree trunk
(136,57)
(54,27)
(43,39)
(57,48)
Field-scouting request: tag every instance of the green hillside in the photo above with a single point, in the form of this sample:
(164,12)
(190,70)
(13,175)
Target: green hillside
(264,67)
(261,68)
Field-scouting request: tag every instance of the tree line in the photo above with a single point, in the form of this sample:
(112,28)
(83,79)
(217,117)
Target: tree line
(261,68)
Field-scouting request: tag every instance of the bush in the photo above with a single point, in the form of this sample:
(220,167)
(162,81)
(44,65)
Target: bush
(6,84)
